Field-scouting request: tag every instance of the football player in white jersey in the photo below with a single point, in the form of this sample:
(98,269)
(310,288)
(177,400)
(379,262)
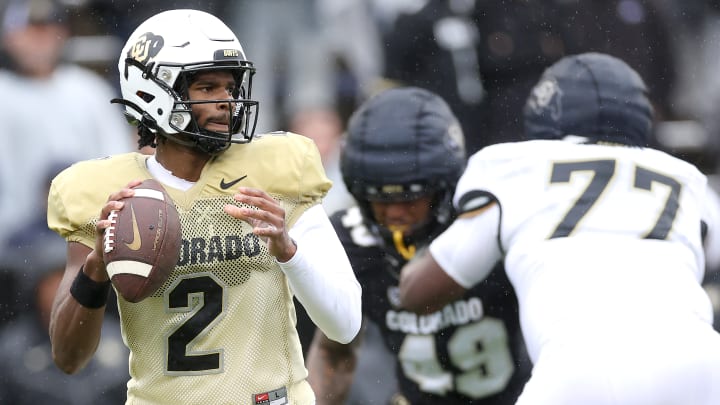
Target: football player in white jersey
(601,238)
(221,330)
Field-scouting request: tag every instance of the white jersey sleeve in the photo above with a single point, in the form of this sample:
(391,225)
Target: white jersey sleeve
(468,256)
(321,277)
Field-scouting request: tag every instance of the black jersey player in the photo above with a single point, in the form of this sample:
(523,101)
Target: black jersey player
(402,158)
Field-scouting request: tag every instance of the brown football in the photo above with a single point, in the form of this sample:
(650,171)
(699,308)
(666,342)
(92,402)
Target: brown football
(142,245)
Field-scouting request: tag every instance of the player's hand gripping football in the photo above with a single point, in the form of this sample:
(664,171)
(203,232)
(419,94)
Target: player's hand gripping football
(113,203)
(267,220)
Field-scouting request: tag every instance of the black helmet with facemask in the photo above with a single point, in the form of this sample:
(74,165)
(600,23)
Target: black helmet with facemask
(402,144)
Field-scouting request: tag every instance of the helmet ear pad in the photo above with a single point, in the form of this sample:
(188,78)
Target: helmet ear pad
(591,95)
(404,141)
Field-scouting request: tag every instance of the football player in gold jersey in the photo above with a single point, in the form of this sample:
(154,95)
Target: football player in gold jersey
(221,330)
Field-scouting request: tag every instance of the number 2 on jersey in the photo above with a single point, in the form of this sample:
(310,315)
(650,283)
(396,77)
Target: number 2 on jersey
(201,297)
(603,172)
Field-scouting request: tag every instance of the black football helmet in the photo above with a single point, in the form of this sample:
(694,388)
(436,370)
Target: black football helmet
(157,65)
(402,144)
(593,96)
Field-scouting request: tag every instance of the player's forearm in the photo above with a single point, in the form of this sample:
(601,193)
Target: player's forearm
(330,376)
(74,334)
(74,327)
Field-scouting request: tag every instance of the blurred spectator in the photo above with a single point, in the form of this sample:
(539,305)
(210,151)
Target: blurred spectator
(303,47)
(34,267)
(436,45)
(324,127)
(284,41)
(483,57)
(634,30)
(30,249)
(353,35)
(309,63)
(695,36)
(120,17)
(30,376)
(694,39)
(49,110)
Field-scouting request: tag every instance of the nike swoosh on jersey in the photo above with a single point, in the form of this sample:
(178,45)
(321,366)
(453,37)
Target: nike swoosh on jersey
(136,241)
(226,186)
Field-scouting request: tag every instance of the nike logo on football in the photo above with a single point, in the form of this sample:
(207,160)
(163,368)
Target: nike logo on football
(226,186)
(135,243)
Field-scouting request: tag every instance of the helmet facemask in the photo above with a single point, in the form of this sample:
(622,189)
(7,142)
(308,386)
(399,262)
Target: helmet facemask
(242,112)
(406,240)
(182,121)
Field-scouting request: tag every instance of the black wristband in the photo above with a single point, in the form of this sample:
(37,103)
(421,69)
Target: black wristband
(89,293)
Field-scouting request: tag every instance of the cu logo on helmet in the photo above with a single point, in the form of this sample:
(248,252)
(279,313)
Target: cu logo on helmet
(146,47)
(545,98)
(455,140)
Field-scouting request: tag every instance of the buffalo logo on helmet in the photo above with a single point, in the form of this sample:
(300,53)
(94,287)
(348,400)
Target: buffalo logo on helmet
(147,47)
(546,98)
(455,141)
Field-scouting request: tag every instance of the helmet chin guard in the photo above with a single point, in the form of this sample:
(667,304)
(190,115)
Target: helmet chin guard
(156,66)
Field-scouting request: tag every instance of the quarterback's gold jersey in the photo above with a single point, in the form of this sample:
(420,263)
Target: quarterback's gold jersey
(221,330)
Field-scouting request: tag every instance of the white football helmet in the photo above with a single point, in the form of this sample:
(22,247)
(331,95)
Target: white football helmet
(156,65)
